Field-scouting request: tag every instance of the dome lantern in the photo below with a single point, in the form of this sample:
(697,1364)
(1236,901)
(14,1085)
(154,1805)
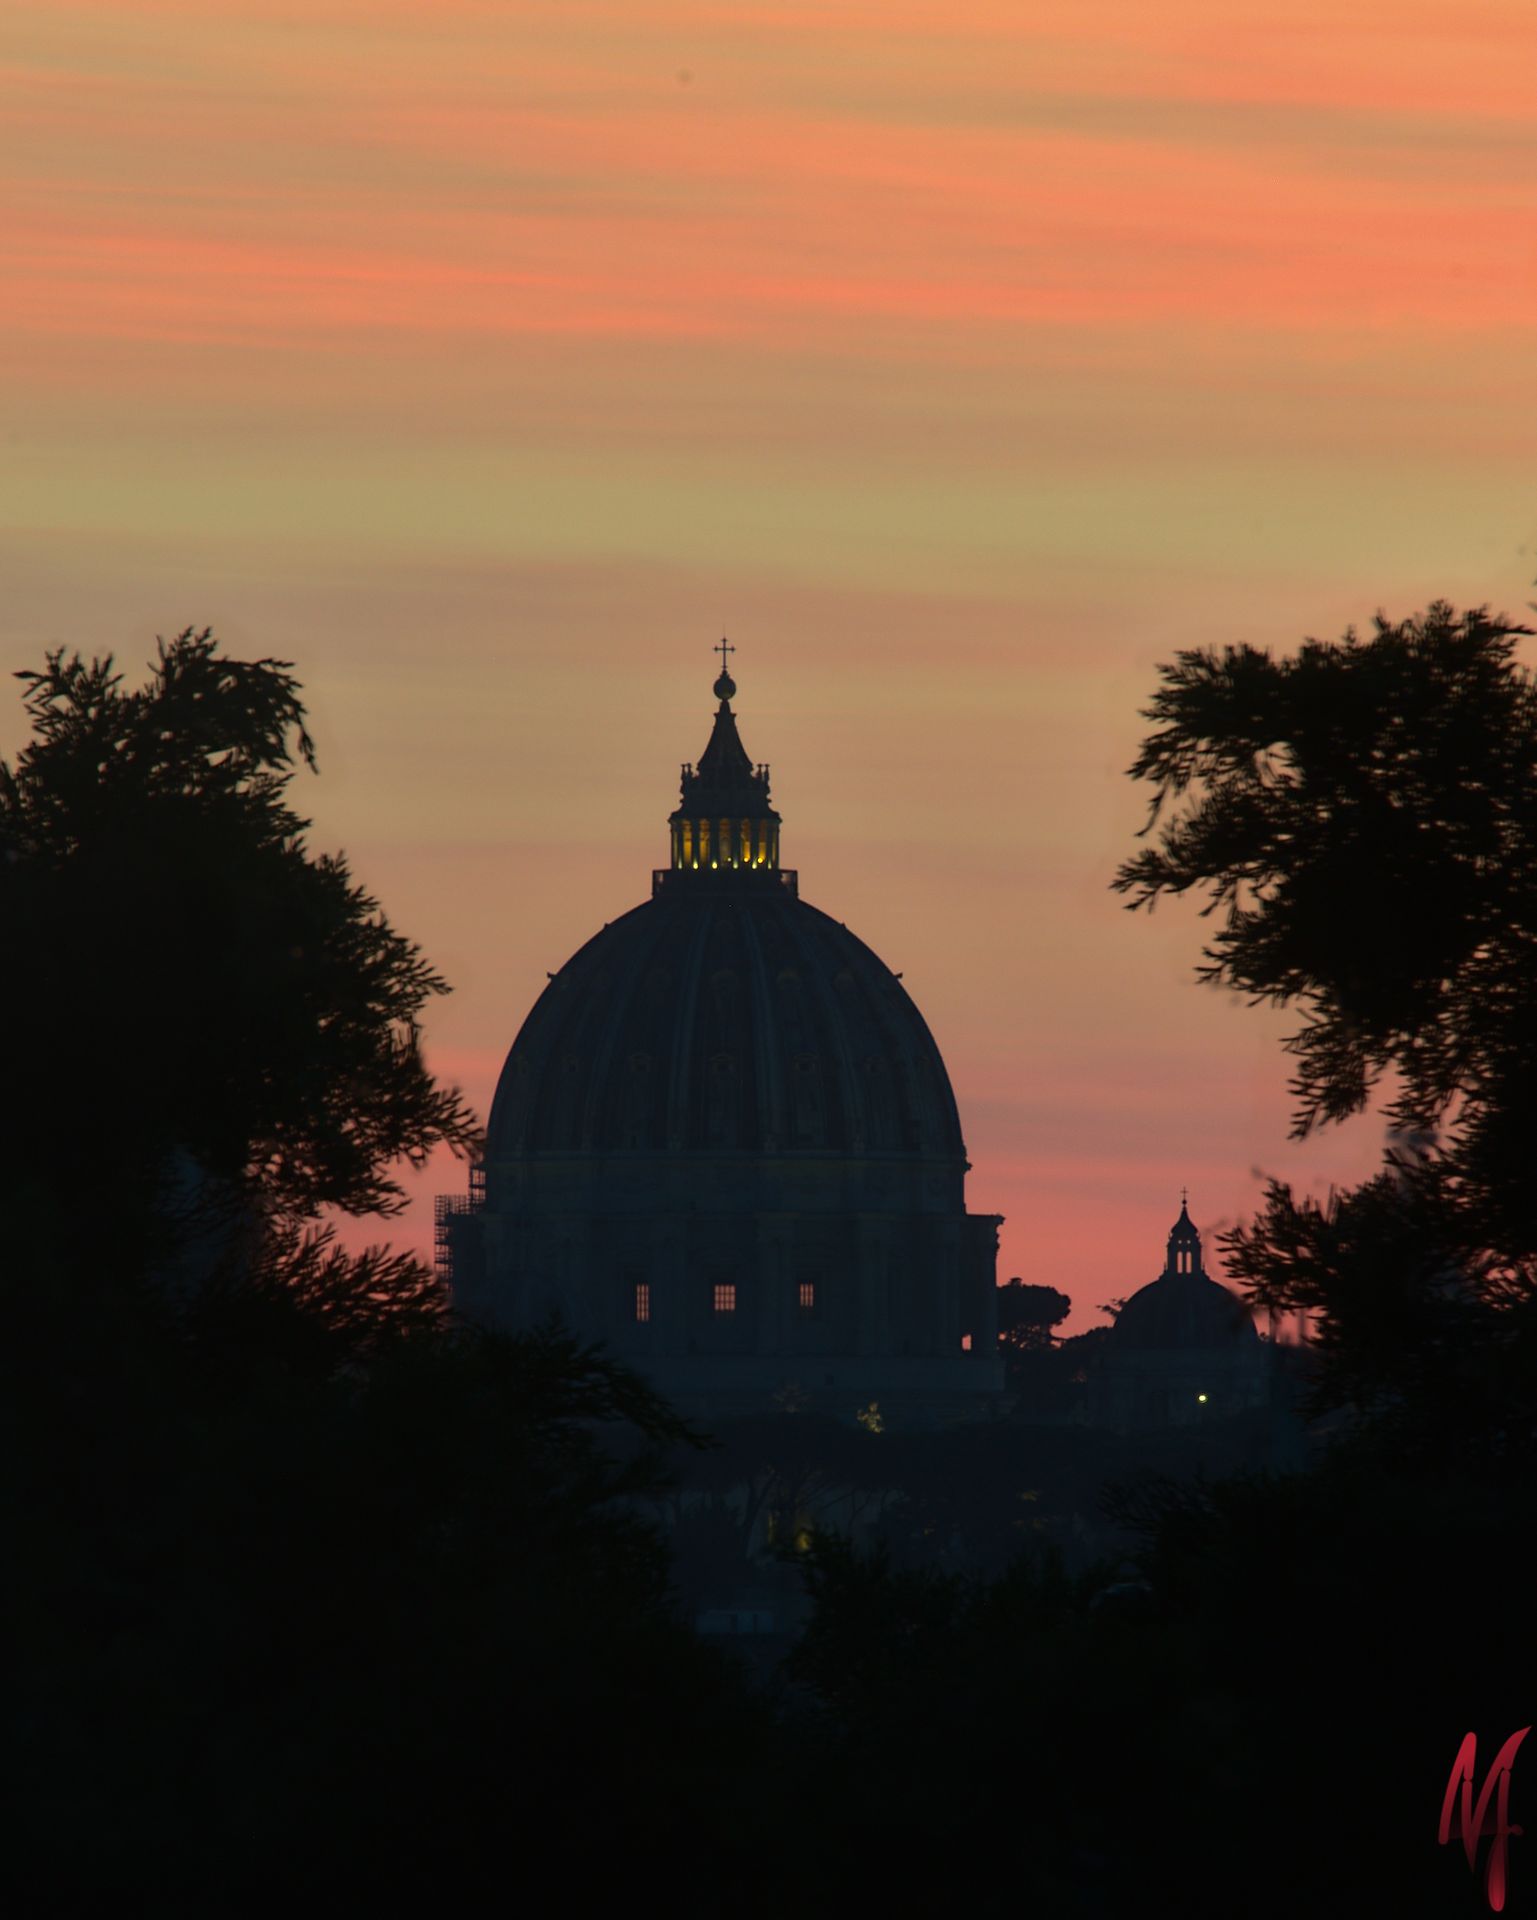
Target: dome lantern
(724,825)
(1184,1247)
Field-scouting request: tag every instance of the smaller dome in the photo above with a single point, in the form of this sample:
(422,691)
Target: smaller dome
(1183,1312)
(1184,1309)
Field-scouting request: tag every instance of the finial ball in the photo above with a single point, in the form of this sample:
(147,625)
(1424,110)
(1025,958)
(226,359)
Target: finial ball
(725,686)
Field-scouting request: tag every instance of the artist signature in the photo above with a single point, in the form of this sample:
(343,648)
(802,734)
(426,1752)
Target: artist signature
(1488,1816)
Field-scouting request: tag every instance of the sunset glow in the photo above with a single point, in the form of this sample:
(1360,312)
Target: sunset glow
(960,362)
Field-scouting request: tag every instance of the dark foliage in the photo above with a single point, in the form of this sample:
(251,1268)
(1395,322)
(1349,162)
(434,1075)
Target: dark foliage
(393,1628)
(1038,1370)
(1027,1314)
(1259,1716)
(1364,817)
(221,1025)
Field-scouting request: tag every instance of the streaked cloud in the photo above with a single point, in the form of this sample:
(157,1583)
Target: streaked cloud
(962,360)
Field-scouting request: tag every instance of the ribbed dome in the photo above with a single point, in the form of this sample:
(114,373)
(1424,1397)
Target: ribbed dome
(1182,1311)
(723,1017)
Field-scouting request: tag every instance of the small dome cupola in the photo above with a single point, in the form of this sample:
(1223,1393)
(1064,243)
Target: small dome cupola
(723,822)
(1185,1309)
(1184,1254)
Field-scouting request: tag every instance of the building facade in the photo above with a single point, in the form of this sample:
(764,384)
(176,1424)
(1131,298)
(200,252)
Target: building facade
(725,1143)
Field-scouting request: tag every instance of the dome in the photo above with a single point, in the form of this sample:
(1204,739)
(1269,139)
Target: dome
(725,1014)
(719,1016)
(1184,1311)
(724,1143)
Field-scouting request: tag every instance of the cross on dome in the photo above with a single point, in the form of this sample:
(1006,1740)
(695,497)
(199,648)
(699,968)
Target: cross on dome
(725,686)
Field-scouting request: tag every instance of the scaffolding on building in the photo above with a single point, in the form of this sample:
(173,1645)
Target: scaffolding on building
(446,1209)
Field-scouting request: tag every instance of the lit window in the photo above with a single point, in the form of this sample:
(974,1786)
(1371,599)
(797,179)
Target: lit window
(642,1301)
(704,839)
(725,1298)
(746,843)
(687,832)
(808,1296)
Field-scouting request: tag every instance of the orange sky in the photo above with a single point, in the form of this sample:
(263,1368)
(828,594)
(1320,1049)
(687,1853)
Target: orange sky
(960,361)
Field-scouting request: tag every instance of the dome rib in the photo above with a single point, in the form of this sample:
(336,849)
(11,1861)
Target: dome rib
(600,1084)
(682,1038)
(770,1086)
(913,1107)
(831,1034)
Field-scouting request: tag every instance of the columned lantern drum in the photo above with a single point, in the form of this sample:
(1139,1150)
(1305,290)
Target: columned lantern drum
(724,1142)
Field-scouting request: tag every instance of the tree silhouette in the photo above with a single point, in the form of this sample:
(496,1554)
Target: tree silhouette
(1035,1366)
(1027,1314)
(221,1023)
(1364,819)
